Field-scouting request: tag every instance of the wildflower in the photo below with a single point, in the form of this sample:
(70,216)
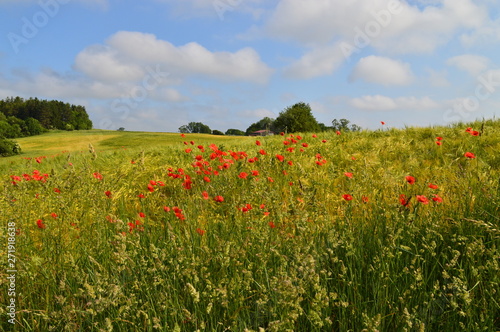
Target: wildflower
(53,215)
(433,186)
(270,179)
(166,209)
(365,199)
(410,179)
(422,199)
(257,143)
(439,142)
(206,179)
(255,173)
(219,199)
(188,150)
(57,190)
(324,141)
(347,197)
(200,231)
(107,193)
(470,155)
(98,176)
(437,199)
(382,123)
(439,138)
(403,200)
(141,196)
(475,133)
(271,224)
(305,145)
(205,195)
(290,163)
(262,152)
(40,224)
(243,175)
(338,132)
(349,175)
(150,188)
(314,135)
(280,157)
(142,215)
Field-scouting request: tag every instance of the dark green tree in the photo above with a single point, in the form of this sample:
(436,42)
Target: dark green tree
(235,132)
(343,125)
(296,118)
(32,127)
(217,132)
(195,127)
(264,124)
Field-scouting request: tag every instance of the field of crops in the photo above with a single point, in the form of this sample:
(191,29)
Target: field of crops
(386,230)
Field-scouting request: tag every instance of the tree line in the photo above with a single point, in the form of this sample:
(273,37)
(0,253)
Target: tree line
(295,118)
(28,117)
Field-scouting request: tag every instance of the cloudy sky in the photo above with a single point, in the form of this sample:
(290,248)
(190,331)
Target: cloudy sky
(155,65)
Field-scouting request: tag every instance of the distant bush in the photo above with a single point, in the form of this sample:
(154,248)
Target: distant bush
(217,132)
(9,148)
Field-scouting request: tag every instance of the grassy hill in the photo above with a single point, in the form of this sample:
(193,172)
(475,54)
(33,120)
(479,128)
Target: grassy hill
(386,230)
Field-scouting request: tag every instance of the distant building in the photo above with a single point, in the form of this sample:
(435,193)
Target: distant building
(263,132)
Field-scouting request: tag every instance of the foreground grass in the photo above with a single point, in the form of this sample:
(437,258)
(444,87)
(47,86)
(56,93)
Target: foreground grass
(170,235)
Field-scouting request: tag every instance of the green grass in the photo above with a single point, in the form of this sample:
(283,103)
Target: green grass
(283,251)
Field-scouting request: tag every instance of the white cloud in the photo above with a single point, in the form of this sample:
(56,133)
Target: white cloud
(123,58)
(384,103)
(382,70)
(320,61)
(470,63)
(388,25)
(438,78)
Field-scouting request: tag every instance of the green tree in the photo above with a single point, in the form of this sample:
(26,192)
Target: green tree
(195,127)
(32,127)
(235,132)
(217,132)
(343,125)
(264,124)
(9,148)
(296,118)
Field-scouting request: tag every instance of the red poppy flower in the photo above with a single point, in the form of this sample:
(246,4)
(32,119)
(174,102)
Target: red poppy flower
(410,179)
(437,199)
(347,197)
(206,179)
(270,179)
(305,145)
(98,176)
(422,199)
(403,200)
(382,123)
(57,190)
(255,173)
(182,135)
(54,215)
(166,209)
(200,231)
(243,175)
(271,224)
(314,135)
(338,132)
(349,175)
(262,152)
(150,188)
(433,186)
(141,196)
(439,142)
(188,150)
(365,199)
(40,224)
(257,142)
(219,199)
(142,215)
(475,133)
(324,141)
(107,193)
(205,195)
(470,155)
(439,138)
(280,157)
(290,163)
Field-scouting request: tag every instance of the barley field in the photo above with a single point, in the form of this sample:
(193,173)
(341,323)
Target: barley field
(385,230)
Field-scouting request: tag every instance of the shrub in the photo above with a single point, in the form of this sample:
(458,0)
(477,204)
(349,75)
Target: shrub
(9,148)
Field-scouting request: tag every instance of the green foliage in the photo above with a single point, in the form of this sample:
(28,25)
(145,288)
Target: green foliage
(235,132)
(343,125)
(51,114)
(217,132)
(9,148)
(264,124)
(33,127)
(195,128)
(296,118)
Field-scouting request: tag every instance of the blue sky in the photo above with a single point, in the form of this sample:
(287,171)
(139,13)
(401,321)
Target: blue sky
(155,65)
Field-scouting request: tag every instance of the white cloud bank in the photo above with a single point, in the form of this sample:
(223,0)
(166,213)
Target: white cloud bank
(382,70)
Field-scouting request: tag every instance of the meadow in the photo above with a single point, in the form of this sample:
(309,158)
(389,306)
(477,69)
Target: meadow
(384,230)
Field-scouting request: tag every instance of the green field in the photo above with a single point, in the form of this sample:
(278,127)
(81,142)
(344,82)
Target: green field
(386,230)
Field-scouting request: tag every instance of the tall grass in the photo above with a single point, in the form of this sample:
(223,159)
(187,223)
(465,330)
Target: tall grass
(227,237)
